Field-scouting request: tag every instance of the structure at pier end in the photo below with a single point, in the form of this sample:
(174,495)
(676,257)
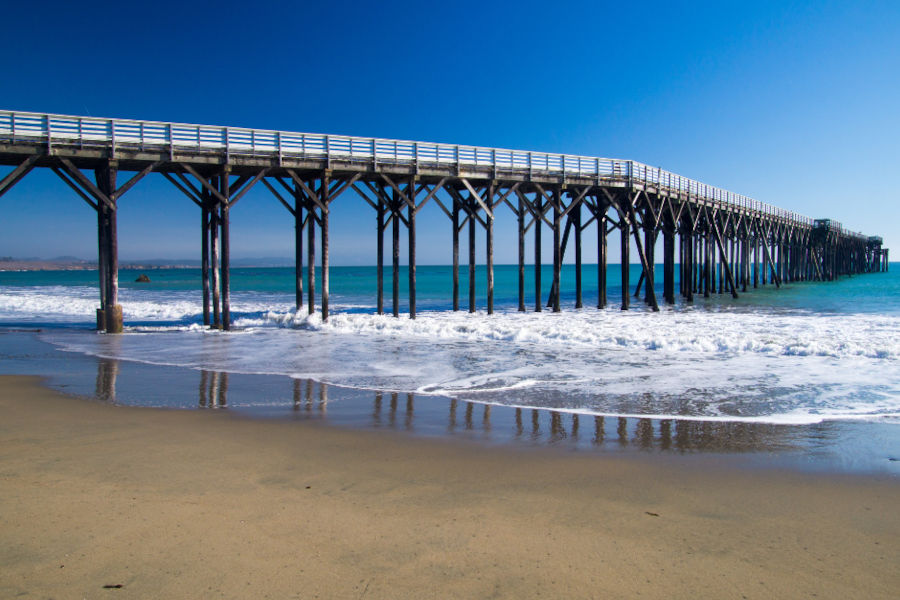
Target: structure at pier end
(716,241)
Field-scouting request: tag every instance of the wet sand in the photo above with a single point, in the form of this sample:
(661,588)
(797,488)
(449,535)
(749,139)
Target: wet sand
(191,504)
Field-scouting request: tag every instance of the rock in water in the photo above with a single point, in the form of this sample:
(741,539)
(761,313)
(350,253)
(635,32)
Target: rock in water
(142,279)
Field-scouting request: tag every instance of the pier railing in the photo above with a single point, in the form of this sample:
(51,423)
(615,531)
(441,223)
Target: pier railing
(85,132)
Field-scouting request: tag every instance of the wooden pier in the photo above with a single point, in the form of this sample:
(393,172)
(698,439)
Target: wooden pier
(720,242)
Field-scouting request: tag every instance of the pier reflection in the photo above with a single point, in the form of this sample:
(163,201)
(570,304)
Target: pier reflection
(107,373)
(305,398)
(432,415)
(552,427)
(213,389)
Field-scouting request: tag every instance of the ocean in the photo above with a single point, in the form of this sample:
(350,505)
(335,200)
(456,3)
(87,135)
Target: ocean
(808,356)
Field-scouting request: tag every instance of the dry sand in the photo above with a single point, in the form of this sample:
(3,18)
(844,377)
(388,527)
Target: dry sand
(178,504)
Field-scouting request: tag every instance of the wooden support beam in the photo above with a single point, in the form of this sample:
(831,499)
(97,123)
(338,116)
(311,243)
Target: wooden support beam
(557,257)
(16,175)
(520,220)
(225,258)
(311,206)
(489,250)
(247,187)
(648,269)
(472,208)
(204,261)
(724,258)
(602,257)
(380,251)
(396,196)
(85,183)
(456,208)
(411,230)
(62,175)
(106,183)
(279,197)
(576,221)
(214,220)
(625,247)
(538,209)
(217,194)
(325,199)
(669,265)
(133,181)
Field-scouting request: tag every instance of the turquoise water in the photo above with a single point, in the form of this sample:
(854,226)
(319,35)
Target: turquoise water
(807,353)
(356,287)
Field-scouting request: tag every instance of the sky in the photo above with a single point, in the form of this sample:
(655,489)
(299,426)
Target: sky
(792,103)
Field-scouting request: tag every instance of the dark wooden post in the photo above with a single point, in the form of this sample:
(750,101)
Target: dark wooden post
(204,256)
(626,261)
(311,218)
(601,256)
(325,199)
(669,265)
(395,257)
(226,251)
(520,214)
(576,225)
(214,257)
(380,250)
(108,251)
(538,222)
(489,249)
(455,253)
(707,259)
(473,211)
(102,232)
(411,230)
(298,245)
(745,262)
(649,254)
(689,268)
(557,256)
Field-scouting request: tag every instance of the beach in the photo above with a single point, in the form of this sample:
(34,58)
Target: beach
(204,504)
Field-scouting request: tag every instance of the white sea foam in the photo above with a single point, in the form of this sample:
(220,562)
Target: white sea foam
(764,365)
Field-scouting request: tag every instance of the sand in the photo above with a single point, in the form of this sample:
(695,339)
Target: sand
(190,504)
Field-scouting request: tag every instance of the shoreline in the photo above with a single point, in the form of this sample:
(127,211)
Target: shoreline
(204,504)
(826,447)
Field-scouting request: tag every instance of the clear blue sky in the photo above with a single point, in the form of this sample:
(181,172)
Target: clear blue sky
(793,103)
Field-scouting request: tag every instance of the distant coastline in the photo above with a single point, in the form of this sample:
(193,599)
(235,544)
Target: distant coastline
(8,263)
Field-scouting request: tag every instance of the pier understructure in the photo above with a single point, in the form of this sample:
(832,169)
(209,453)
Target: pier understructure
(719,241)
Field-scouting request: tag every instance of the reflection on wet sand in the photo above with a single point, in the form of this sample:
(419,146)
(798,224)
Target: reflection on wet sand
(306,401)
(107,372)
(490,422)
(213,389)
